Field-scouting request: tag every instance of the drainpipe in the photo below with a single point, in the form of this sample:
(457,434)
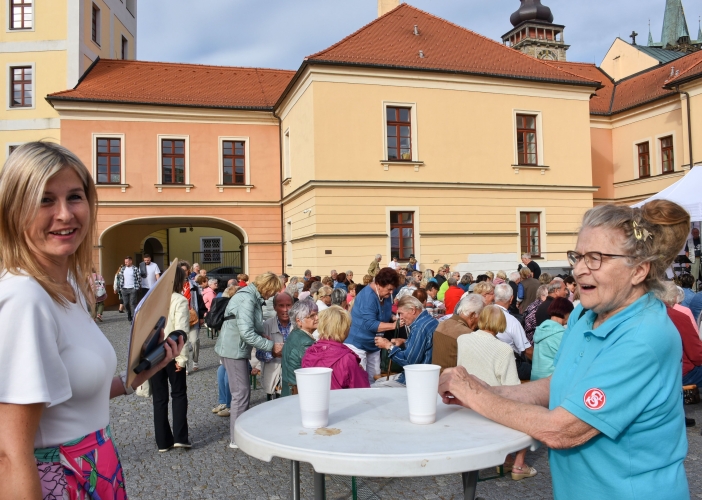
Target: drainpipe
(689,124)
(282,215)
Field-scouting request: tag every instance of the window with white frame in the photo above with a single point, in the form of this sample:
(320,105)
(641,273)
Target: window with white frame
(173,161)
(211,248)
(400,132)
(527,129)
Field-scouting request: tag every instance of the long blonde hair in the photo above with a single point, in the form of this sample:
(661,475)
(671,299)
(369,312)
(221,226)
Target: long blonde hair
(22,183)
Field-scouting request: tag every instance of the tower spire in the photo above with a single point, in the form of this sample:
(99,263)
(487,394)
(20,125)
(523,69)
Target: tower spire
(674,24)
(650,37)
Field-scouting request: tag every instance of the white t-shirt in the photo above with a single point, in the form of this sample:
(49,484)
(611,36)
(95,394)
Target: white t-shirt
(151,271)
(394,265)
(514,335)
(128,277)
(321,306)
(54,355)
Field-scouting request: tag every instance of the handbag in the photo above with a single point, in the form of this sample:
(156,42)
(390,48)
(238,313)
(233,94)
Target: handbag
(691,395)
(193,317)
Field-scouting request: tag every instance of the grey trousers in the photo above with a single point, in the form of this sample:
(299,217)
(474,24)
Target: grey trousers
(129,297)
(240,387)
(194,341)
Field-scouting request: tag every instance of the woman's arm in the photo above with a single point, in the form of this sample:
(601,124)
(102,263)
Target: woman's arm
(18,469)
(557,429)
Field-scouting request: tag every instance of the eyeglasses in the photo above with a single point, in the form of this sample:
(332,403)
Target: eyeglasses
(593,260)
(312,316)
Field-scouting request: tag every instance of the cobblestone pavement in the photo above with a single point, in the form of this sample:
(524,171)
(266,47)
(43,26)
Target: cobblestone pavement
(211,470)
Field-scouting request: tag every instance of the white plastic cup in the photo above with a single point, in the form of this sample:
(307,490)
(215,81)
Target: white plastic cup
(422,389)
(313,387)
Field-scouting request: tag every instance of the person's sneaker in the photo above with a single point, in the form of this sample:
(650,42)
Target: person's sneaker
(122,311)
(689,422)
(233,446)
(164,450)
(224,413)
(219,408)
(183,445)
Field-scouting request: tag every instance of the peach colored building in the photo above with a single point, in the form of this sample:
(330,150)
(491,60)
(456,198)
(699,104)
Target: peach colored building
(180,151)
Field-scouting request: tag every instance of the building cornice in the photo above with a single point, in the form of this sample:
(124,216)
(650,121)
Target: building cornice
(154,203)
(80,110)
(334,184)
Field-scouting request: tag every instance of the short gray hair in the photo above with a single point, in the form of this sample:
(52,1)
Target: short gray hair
(526,256)
(410,280)
(514,276)
(213,280)
(503,293)
(541,291)
(470,304)
(302,309)
(378,256)
(349,272)
(275,297)
(555,285)
(338,296)
(410,302)
(452,281)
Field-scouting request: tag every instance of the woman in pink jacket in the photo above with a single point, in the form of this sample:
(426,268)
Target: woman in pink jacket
(330,352)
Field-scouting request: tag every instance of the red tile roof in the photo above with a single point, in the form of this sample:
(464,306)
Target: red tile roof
(601,102)
(191,85)
(390,42)
(692,73)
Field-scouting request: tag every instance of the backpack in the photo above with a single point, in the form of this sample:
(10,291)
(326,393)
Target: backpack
(142,269)
(215,317)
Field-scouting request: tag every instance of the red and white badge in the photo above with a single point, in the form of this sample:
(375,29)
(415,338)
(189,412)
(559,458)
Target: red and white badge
(595,399)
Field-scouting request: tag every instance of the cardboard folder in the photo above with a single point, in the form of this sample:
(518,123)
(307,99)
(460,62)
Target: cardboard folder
(155,304)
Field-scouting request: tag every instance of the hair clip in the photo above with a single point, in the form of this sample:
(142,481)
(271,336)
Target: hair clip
(640,233)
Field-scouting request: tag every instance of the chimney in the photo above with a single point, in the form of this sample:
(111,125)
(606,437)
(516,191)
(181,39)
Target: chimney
(385,6)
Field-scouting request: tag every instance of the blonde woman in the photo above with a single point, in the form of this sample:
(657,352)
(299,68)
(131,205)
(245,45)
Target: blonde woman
(239,336)
(330,352)
(492,361)
(54,401)
(487,290)
(324,298)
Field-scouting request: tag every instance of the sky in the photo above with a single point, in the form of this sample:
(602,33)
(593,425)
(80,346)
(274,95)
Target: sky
(280,33)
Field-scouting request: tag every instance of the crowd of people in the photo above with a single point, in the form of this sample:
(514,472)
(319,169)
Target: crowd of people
(589,364)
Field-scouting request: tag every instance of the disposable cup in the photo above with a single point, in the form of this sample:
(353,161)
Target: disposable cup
(422,389)
(313,388)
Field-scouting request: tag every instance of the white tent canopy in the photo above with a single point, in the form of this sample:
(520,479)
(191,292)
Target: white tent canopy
(687,192)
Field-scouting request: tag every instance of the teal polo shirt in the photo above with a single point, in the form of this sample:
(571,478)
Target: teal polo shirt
(624,379)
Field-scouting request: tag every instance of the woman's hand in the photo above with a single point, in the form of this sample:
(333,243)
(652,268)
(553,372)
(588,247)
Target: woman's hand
(172,352)
(277,350)
(18,467)
(458,387)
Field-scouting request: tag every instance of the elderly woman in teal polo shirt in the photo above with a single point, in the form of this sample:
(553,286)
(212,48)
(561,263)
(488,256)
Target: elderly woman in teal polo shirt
(612,412)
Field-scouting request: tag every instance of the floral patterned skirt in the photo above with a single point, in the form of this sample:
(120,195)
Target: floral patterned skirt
(84,469)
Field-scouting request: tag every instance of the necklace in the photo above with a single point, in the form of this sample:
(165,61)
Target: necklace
(375,289)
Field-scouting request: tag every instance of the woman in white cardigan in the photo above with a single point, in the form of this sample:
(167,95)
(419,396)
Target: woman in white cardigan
(174,372)
(483,355)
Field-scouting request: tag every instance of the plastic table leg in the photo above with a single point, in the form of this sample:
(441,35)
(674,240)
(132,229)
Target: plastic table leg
(470,483)
(295,479)
(319,487)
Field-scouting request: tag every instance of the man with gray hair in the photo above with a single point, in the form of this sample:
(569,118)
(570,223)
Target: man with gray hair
(514,280)
(307,275)
(408,289)
(533,266)
(276,329)
(464,320)
(349,276)
(417,349)
(514,334)
(333,275)
(556,288)
(374,267)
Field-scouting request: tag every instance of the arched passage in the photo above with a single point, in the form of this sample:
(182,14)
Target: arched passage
(176,237)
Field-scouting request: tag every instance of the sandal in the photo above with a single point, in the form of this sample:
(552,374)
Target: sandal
(519,473)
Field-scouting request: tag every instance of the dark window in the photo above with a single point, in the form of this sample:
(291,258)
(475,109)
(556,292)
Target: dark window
(667,154)
(21,87)
(234,162)
(96,24)
(526,140)
(125,48)
(399,134)
(21,15)
(530,232)
(173,161)
(401,235)
(109,161)
(644,160)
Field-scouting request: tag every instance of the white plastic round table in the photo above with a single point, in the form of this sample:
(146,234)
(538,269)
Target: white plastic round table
(369,434)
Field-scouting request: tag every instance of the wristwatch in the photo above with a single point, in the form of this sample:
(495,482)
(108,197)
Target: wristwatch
(392,346)
(127,389)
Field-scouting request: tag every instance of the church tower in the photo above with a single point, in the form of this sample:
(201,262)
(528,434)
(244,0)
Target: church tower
(535,34)
(675,34)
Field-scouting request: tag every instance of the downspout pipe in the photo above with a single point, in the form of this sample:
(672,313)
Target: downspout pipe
(282,214)
(689,125)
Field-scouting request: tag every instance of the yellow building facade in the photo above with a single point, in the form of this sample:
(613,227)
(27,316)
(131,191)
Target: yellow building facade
(45,47)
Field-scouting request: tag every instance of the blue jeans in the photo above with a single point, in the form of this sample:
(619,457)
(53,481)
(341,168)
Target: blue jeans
(225,395)
(694,377)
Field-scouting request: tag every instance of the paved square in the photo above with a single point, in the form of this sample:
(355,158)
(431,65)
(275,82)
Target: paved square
(210,470)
